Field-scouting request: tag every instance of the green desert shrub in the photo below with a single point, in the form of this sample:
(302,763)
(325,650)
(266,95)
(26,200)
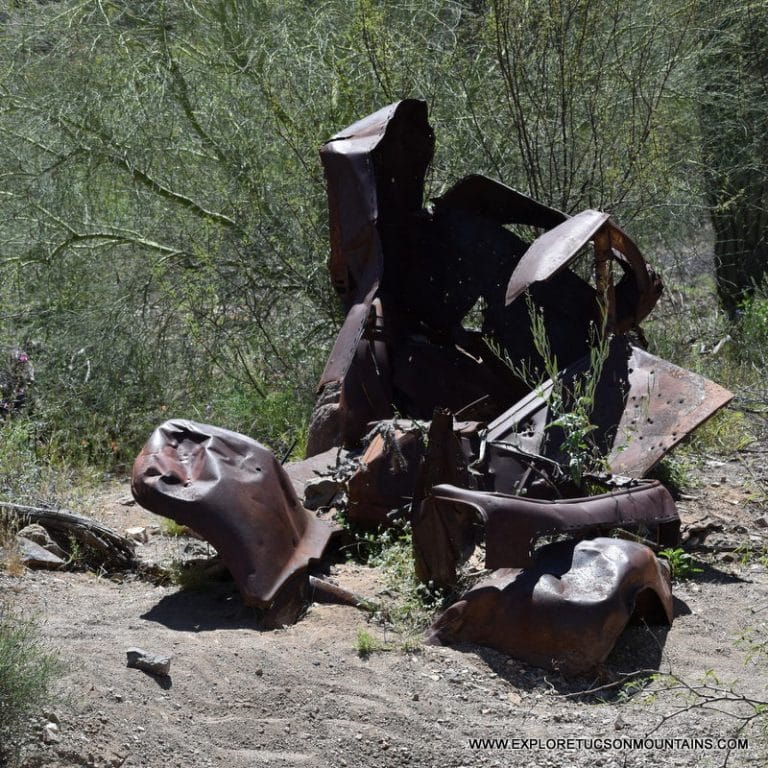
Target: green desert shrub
(28,670)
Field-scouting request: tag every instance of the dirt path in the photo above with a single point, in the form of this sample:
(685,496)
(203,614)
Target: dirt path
(241,697)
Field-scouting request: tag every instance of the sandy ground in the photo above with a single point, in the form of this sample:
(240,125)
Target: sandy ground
(239,696)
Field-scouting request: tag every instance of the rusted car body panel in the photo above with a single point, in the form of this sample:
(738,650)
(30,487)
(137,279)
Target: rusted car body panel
(553,251)
(408,276)
(386,478)
(566,611)
(375,172)
(628,303)
(644,406)
(234,493)
(451,519)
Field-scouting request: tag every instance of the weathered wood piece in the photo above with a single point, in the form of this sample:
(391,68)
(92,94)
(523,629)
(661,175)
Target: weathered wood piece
(108,547)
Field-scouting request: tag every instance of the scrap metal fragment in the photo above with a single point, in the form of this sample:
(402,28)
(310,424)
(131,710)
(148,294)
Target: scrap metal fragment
(448,521)
(567,609)
(633,298)
(234,493)
(644,406)
(409,277)
(387,475)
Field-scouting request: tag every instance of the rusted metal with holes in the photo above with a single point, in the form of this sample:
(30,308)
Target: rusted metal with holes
(447,522)
(567,609)
(644,406)
(234,493)
(663,404)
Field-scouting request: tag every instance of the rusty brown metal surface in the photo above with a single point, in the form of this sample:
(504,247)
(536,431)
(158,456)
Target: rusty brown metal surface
(449,520)
(644,406)
(566,611)
(375,173)
(553,251)
(234,493)
(628,303)
(409,278)
(387,476)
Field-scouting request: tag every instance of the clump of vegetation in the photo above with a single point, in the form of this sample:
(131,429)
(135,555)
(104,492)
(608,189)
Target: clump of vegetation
(28,670)
(413,604)
(681,564)
(172,528)
(191,575)
(366,643)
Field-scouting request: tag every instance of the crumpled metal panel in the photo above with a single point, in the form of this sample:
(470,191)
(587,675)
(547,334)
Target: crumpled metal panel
(387,475)
(375,172)
(449,520)
(629,302)
(644,406)
(567,610)
(234,493)
(553,251)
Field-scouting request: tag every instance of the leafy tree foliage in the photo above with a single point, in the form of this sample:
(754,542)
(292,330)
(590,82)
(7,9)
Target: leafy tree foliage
(163,227)
(734,120)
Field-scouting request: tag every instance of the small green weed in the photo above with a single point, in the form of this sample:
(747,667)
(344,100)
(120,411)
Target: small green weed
(674,472)
(727,432)
(172,528)
(752,328)
(190,575)
(413,604)
(682,565)
(366,643)
(572,403)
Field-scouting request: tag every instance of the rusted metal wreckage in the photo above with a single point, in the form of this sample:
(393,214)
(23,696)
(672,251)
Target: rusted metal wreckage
(474,454)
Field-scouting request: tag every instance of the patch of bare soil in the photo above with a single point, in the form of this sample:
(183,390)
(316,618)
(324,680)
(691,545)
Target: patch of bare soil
(240,697)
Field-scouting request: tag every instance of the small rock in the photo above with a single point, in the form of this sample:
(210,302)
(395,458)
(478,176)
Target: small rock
(320,492)
(50,734)
(762,522)
(148,662)
(137,533)
(35,556)
(40,535)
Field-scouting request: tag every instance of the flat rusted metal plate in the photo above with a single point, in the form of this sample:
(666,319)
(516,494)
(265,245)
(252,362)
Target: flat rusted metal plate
(644,406)
(567,610)
(553,251)
(663,405)
(446,524)
(234,493)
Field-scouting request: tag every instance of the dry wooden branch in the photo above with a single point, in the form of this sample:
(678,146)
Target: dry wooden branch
(109,547)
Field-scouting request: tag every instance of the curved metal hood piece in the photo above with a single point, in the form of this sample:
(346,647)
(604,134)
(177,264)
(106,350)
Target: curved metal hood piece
(234,493)
(447,523)
(553,251)
(567,610)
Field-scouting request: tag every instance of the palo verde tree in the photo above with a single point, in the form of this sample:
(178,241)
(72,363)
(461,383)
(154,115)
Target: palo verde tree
(734,131)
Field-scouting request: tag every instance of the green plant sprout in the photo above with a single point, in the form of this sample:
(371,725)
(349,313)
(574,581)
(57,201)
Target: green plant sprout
(682,565)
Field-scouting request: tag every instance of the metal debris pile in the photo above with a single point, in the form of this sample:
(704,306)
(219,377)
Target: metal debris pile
(431,378)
